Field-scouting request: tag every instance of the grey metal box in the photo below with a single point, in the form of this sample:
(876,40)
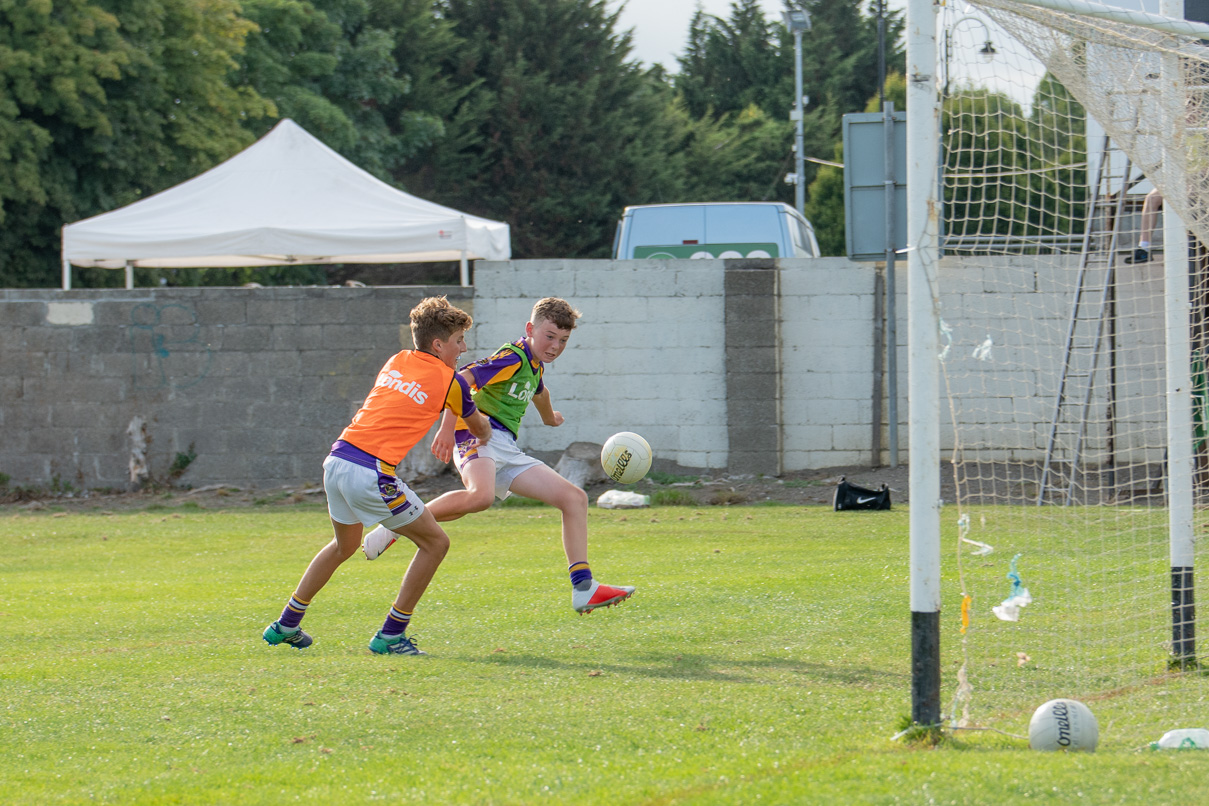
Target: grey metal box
(865,184)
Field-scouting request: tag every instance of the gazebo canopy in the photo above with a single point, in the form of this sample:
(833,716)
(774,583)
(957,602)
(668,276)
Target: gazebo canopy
(286,199)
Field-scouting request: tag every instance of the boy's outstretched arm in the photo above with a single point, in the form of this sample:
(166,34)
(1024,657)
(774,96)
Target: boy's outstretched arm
(545,408)
(442,442)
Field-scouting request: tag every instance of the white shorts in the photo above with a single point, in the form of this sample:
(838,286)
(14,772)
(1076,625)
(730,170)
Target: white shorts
(356,493)
(510,462)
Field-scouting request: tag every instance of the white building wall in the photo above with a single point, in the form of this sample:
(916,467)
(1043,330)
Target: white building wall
(827,362)
(647,355)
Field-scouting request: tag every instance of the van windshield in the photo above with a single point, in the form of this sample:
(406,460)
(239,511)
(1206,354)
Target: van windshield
(706,230)
(739,223)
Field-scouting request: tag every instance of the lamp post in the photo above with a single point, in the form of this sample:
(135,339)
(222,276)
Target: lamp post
(881,53)
(797,20)
(986,52)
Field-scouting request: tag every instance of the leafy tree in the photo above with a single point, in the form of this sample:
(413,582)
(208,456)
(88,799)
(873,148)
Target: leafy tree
(895,92)
(1058,137)
(423,43)
(334,67)
(523,110)
(839,67)
(745,59)
(825,207)
(840,53)
(986,155)
(339,69)
(556,131)
(737,157)
(53,66)
(50,65)
(1012,173)
(290,58)
(103,102)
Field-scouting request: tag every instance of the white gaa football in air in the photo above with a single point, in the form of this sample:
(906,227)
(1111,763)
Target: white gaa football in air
(626,457)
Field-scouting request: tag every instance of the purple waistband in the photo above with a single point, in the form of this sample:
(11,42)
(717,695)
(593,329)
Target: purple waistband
(351,453)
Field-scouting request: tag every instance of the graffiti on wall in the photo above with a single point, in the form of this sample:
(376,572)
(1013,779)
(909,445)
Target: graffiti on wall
(167,348)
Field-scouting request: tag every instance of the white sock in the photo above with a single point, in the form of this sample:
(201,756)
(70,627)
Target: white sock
(1143,244)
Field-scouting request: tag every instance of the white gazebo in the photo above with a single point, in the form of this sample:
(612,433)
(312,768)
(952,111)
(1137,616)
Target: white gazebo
(286,199)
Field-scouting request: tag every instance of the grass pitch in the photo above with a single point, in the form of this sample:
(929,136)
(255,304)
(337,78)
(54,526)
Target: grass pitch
(764,659)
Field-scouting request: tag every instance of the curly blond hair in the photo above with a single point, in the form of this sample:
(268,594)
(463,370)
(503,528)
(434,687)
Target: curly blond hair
(435,318)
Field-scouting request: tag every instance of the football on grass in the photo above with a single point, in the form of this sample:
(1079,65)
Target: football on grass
(626,457)
(1063,725)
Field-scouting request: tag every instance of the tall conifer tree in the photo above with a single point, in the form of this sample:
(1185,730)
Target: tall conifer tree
(558,130)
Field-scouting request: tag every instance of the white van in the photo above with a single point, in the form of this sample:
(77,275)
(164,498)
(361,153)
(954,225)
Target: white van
(713,230)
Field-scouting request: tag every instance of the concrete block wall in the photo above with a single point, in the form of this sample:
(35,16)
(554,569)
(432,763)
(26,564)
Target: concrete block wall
(686,354)
(1004,403)
(671,335)
(257,382)
(754,367)
(827,359)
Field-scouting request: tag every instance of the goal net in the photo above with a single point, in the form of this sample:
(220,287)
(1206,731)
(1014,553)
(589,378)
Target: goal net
(1063,583)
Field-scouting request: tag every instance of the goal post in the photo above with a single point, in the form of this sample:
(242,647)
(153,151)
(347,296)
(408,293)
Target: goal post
(1180,459)
(923,120)
(1058,344)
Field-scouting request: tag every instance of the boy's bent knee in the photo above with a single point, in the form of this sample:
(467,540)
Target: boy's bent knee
(343,551)
(479,502)
(431,540)
(438,545)
(575,498)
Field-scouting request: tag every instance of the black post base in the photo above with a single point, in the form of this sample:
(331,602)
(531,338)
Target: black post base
(925,668)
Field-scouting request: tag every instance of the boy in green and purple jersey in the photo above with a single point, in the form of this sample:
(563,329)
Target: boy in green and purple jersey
(504,385)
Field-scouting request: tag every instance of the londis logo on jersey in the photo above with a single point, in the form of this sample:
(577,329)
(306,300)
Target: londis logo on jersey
(394,380)
(524,394)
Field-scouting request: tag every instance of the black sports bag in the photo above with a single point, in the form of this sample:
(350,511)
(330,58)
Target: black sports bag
(849,496)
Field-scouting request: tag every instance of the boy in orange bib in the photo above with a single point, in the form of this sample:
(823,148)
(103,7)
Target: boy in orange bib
(409,394)
(504,385)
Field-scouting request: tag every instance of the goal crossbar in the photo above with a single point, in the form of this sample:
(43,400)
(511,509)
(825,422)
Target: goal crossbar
(1144,19)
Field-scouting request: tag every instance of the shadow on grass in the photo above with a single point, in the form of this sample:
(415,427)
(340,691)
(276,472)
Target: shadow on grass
(693,667)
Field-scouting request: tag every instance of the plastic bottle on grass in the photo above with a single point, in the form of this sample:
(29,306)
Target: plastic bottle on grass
(1183,739)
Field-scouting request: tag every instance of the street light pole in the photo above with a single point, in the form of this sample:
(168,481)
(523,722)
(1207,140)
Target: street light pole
(881,53)
(797,20)
(987,52)
(799,167)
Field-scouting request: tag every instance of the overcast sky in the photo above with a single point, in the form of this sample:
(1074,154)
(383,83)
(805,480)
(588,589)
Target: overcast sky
(661,26)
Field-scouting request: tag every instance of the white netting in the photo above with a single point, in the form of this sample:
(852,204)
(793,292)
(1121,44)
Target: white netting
(1054,362)
(1116,71)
